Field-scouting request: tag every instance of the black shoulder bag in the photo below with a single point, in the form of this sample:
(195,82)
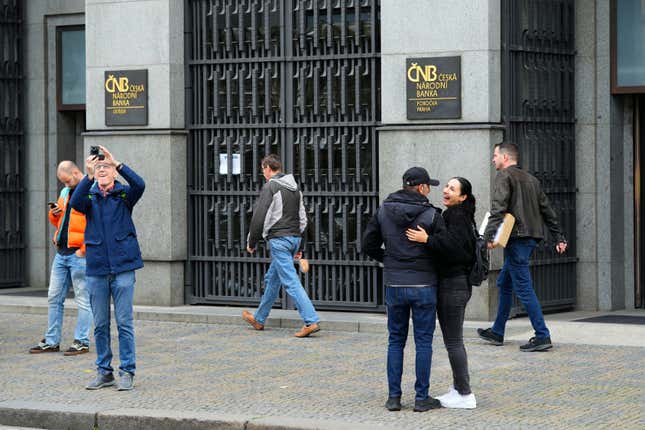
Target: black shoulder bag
(481,264)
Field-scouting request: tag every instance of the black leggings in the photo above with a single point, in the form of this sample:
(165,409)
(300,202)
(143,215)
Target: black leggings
(453,296)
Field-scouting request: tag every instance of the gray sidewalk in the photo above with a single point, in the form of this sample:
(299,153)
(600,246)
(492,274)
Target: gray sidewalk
(201,367)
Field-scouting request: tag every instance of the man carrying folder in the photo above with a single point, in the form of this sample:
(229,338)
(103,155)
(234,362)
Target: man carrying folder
(517,192)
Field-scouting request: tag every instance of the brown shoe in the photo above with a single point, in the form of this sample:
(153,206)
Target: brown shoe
(248,317)
(304,265)
(307,330)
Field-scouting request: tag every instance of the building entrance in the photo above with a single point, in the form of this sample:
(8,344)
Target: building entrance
(538,110)
(298,78)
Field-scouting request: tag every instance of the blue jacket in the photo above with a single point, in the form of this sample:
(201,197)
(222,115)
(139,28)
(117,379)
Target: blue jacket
(110,237)
(404,262)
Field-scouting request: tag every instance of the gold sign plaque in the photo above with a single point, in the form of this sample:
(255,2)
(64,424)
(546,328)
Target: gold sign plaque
(126,97)
(433,87)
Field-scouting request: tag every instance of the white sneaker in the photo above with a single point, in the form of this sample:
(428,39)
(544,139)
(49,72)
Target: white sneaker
(451,390)
(454,400)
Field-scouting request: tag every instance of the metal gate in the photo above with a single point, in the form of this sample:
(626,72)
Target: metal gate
(538,56)
(299,78)
(12,248)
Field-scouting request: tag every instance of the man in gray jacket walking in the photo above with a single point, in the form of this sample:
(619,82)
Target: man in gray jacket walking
(519,193)
(279,217)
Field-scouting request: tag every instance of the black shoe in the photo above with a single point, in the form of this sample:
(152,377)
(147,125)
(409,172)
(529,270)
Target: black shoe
(537,344)
(77,348)
(489,336)
(393,404)
(426,405)
(43,346)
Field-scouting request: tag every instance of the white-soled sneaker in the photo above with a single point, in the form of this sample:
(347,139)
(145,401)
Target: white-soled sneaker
(451,390)
(454,400)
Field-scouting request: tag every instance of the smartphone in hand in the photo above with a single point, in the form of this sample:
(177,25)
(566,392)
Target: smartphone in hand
(51,205)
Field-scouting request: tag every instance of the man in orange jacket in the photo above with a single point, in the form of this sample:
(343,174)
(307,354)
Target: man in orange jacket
(68,266)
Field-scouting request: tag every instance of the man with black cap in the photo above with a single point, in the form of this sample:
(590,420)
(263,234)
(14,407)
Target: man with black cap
(410,279)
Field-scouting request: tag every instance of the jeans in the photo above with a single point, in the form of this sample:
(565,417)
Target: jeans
(120,288)
(282,272)
(515,276)
(68,269)
(422,301)
(453,297)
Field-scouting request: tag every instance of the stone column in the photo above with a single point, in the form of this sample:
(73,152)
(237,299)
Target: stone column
(132,35)
(447,148)
(604,169)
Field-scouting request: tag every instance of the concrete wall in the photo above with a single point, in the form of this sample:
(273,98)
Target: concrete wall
(143,34)
(445,147)
(146,34)
(41,126)
(416,28)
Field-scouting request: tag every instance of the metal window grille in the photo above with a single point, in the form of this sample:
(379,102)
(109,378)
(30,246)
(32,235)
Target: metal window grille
(299,78)
(12,248)
(538,100)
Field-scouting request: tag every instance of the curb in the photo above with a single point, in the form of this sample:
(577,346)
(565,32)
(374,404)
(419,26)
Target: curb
(225,316)
(84,417)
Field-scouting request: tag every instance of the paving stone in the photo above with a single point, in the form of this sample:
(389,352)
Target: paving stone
(195,368)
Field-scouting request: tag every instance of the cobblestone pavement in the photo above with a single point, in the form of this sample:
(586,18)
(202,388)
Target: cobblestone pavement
(332,376)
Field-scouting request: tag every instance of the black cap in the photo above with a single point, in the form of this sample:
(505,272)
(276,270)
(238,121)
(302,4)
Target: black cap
(417,176)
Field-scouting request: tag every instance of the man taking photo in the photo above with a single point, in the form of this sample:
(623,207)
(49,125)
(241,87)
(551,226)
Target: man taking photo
(113,255)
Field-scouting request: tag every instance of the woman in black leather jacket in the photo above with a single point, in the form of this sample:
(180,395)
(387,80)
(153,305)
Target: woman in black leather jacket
(454,248)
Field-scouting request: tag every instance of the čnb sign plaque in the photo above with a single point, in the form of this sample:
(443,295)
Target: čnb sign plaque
(433,87)
(126,97)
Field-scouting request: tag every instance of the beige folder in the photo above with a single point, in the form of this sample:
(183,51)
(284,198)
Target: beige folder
(503,231)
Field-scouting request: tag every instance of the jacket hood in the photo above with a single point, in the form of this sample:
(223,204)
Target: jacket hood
(286,181)
(403,207)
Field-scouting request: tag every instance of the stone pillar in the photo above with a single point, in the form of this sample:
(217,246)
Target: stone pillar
(123,35)
(604,169)
(447,148)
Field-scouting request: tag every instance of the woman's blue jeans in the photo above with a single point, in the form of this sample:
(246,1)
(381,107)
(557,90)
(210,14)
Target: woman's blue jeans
(282,273)
(422,303)
(515,276)
(120,288)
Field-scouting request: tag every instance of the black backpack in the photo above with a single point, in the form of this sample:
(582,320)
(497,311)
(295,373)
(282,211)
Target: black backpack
(481,264)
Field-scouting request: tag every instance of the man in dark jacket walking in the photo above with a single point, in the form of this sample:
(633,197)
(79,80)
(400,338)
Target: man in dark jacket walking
(410,279)
(280,219)
(113,255)
(517,192)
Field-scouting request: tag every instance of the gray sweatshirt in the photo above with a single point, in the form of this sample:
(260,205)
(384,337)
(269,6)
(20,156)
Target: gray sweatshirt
(279,211)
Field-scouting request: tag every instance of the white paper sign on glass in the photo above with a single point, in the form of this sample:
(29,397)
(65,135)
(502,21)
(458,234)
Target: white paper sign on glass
(223,164)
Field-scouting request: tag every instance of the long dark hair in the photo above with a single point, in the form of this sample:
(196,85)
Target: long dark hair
(467,189)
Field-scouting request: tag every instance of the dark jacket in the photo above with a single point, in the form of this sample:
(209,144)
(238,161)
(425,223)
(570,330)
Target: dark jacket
(454,247)
(110,237)
(404,262)
(279,211)
(518,192)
